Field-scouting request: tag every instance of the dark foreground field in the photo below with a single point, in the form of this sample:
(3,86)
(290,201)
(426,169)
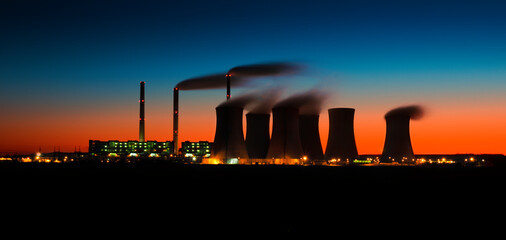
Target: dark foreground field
(195,200)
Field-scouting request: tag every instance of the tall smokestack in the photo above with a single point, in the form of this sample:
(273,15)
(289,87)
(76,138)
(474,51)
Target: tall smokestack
(341,141)
(310,136)
(141,118)
(228,86)
(257,134)
(175,121)
(229,138)
(398,146)
(285,141)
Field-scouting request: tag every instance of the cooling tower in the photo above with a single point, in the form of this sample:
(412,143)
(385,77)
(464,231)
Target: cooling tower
(229,138)
(397,140)
(257,134)
(285,141)
(341,141)
(310,136)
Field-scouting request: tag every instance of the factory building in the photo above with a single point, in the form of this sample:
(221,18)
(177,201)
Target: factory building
(130,148)
(196,149)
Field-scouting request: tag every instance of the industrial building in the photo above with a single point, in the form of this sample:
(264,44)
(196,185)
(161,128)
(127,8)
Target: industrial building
(295,137)
(196,149)
(130,148)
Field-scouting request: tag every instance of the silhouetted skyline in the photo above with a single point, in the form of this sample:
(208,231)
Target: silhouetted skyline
(70,69)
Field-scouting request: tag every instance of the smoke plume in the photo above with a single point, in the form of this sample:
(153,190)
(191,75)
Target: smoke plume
(240,101)
(266,100)
(413,112)
(310,102)
(241,75)
(214,81)
(266,69)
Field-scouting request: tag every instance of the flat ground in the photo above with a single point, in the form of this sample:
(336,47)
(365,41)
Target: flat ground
(154,199)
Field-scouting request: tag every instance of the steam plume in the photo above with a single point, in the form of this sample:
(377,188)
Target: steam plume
(266,100)
(266,69)
(413,112)
(241,75)
(213,81)
(310,102)
(240,101)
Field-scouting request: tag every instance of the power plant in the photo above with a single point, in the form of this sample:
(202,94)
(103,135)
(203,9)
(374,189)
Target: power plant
(132,148)
(229,145)
(295,137)
(257,135)
(295,134)
(310,136)
(397,146)
(341,141)
(285,141)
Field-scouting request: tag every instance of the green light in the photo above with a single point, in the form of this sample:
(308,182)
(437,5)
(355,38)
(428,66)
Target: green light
(362,161)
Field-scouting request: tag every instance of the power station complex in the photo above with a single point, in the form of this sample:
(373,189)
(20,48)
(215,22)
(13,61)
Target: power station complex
(142,148)
(295,137)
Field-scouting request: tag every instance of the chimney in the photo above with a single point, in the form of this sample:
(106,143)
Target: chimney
(310,136)
(397,141)
(175,122)
(228,86)
(257,134)
(285,141)
(141,118)
(341,141)
(229,143)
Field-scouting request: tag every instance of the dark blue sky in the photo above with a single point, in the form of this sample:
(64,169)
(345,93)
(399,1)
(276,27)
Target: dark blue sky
(65,56)
(61,39)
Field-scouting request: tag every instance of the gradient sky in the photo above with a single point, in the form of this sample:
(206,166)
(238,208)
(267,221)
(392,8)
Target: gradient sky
(70,70)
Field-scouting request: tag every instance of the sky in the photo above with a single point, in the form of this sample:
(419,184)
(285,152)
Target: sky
(70,70)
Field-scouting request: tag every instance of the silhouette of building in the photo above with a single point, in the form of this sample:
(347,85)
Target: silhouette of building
(341,141)
(285,141)
(257,134)
(310,136)
(129,148)
(196,149)
(229,145)
(398,146)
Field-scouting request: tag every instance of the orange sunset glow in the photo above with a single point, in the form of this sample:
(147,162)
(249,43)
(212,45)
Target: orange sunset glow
(445,129)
